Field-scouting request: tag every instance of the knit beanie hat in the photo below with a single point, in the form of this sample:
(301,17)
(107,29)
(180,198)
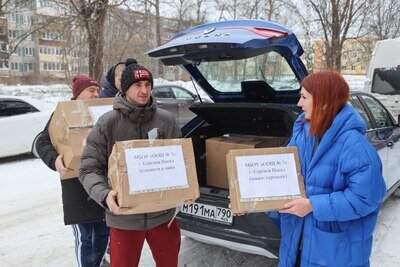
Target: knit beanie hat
(111,72)
(134,73)
(81,82)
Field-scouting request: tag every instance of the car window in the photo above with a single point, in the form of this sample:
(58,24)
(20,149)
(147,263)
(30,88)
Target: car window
(271,67)
(15,107)
(162,92)
(386,81)
(356,103)
(181,93)
(379,113)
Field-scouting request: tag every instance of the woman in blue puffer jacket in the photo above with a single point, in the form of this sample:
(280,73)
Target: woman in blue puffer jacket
(342,173)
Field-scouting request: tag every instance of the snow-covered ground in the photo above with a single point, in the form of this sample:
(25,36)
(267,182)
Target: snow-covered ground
(32,232)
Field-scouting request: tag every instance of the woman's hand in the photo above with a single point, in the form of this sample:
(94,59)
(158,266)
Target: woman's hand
(300,207)
(111,201)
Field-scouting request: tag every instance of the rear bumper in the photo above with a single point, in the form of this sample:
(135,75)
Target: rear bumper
(252,233)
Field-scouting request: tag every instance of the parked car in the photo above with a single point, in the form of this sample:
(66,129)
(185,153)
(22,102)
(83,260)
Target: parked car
(21,121)
(252,70)
(177,100)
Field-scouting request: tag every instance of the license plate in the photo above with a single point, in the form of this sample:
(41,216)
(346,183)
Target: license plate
(208,212)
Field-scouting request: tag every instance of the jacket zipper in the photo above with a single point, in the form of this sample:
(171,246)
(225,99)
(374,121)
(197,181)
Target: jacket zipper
(141,137)
(140,125)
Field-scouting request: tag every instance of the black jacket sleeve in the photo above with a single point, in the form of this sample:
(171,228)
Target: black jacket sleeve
(45,149)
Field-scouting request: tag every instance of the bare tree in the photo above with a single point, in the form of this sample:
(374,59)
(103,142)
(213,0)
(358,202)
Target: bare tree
(92,14)
(181,10)
(124,36)
(200,17)
(152,9)
(385,22)
(301,14)
(228,9)
(336,18)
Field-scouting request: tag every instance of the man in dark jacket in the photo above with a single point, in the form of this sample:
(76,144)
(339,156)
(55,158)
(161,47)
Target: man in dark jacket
(85,215)
(135,115)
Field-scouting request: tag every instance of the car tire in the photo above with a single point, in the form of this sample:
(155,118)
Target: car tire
(33,150)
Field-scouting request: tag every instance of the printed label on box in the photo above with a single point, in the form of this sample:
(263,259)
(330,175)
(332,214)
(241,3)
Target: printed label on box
(152,169)
(267,177)
(97,111)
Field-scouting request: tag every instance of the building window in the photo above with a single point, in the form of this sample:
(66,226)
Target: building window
(14,66)
(3,64)
(3,47)
(3,30)
(29,51)
(12,17)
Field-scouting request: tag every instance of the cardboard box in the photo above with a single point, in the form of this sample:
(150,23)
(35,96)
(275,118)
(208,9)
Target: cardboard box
(218,147)
(162,171)
(70,126)
(264,179)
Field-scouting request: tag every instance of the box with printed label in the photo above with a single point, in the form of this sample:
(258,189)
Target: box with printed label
(70,126)
(218,147)
(153,175)
(264,179)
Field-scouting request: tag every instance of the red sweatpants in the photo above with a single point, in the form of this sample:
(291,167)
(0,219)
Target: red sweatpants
(126,245)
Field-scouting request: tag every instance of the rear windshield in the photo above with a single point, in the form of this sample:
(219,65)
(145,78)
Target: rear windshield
(386,81)
(226,76)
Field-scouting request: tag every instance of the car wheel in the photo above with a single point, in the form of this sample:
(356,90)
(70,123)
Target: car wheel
(34,151)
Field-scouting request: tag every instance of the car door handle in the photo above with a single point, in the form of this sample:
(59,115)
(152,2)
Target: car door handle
(390,144)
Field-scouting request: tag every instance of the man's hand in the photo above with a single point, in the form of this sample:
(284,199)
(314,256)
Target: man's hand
(60,165)
(300,207)
(111,201)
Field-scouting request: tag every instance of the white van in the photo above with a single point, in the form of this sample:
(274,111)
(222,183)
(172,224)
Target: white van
(383,76)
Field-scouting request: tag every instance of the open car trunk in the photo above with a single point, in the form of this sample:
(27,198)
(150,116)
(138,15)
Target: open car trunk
(227,119)
(272,121)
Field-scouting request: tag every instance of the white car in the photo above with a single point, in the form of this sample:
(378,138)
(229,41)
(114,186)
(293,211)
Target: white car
(21,121)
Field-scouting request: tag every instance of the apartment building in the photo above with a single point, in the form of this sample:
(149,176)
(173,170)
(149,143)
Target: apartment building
(40,43)
(356,54)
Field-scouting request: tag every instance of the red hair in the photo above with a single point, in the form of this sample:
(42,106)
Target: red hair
(330,94)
